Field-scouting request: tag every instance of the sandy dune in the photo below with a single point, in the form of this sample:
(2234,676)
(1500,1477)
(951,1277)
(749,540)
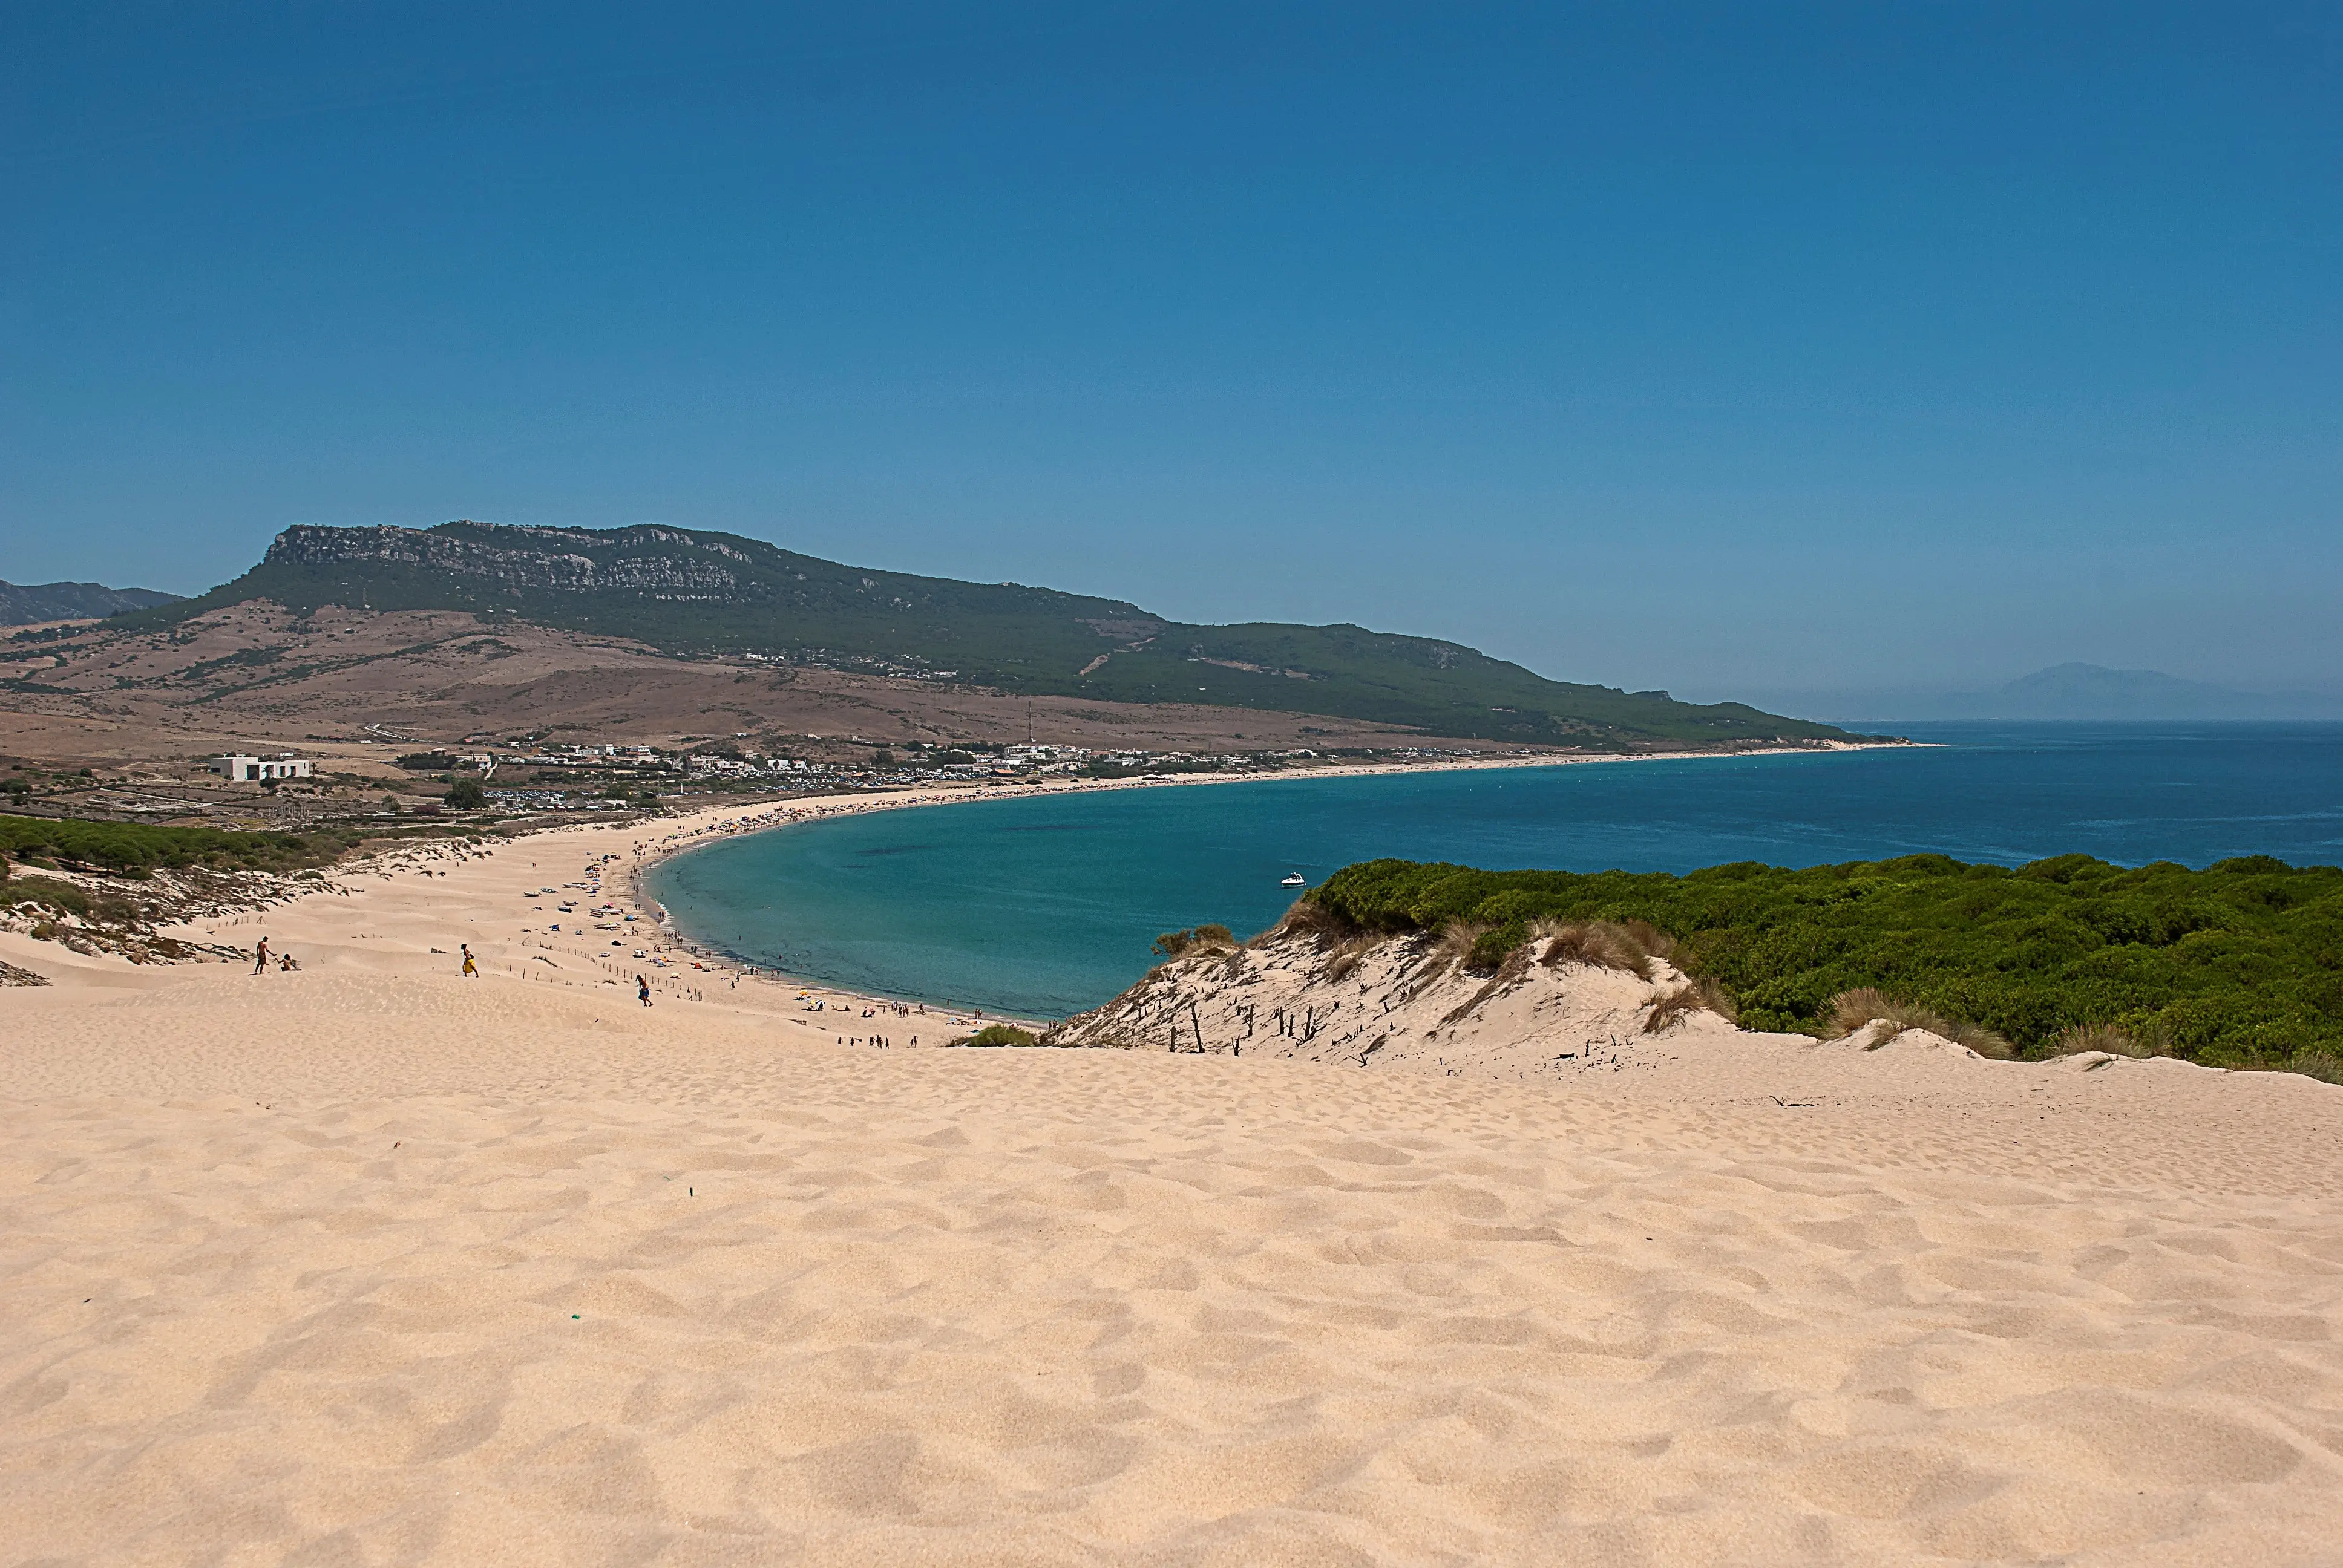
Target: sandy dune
(372,1265)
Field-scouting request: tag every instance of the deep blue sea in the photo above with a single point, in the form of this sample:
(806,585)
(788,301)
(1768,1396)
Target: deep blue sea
(1043,907)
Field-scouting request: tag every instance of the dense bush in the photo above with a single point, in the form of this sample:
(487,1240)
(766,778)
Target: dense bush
(138,848)
(2240,964)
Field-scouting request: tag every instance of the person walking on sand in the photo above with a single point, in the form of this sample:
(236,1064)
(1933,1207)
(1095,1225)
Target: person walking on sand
(471,969)
(260,956)
(643,989)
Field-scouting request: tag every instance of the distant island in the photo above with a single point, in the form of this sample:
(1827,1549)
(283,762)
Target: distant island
(30,604)
(2075,692)
(2092,691)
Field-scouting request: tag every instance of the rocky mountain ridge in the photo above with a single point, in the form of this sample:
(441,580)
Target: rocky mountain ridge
(694,594)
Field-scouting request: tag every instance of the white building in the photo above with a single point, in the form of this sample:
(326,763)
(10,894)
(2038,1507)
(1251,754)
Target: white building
(248,768)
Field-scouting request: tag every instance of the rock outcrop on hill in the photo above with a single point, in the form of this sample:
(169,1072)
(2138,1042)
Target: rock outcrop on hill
(555,560)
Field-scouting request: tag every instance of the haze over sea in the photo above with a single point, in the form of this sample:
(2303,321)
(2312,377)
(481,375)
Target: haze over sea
(1045,906)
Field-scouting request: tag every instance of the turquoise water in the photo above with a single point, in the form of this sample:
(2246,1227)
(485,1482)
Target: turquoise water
(1043,907)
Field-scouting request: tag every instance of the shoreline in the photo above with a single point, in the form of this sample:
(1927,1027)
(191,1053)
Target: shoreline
(710,834)
(448,891)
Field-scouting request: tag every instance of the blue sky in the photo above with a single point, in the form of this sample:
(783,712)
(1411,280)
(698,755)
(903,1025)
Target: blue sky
(1744,349)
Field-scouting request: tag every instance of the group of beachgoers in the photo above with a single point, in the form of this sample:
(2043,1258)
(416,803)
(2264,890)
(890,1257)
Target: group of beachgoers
(262,956)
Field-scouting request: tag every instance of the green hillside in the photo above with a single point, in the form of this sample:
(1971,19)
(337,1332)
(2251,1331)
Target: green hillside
(694,593)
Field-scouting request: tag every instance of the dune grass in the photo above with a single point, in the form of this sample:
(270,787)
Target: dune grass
(1604,944)
(1867,1008)
(1204,941)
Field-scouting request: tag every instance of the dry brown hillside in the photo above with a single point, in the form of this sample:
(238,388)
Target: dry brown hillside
(258,675)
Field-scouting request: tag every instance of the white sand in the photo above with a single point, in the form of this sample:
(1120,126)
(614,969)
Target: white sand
(373,1264)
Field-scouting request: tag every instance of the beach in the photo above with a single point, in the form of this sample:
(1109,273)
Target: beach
(372,1262)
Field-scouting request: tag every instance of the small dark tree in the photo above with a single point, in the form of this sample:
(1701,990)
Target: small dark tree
(467,795)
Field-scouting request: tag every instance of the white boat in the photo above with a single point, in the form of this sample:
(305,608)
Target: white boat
(1293,880)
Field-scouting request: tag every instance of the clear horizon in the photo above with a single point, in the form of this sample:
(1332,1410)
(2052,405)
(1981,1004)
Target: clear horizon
(1839,348)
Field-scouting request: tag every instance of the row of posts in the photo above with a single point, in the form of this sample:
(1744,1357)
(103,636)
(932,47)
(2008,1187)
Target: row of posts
(1303,1025)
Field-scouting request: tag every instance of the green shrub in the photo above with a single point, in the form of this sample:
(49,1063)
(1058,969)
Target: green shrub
(2238,965)
(46,893)
(1492,947)
(140,849)
(1204,940)
(92,907)
(996,1034)
(467,795)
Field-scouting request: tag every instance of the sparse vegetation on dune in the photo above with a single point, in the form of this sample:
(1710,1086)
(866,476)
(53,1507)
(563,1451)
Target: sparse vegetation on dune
(95,886)
(2084,1038)
(1867,1008)
(1204,941)
(1463,942)
(1308,918)
(1345,960)
(60,897)
(1671,1005)
(1603,944)
(2237,965)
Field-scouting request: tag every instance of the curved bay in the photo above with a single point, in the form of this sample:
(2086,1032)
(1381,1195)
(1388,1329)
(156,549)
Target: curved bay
(1045,906)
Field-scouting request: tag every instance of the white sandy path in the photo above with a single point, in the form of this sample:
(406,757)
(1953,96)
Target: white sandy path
(372,1265)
